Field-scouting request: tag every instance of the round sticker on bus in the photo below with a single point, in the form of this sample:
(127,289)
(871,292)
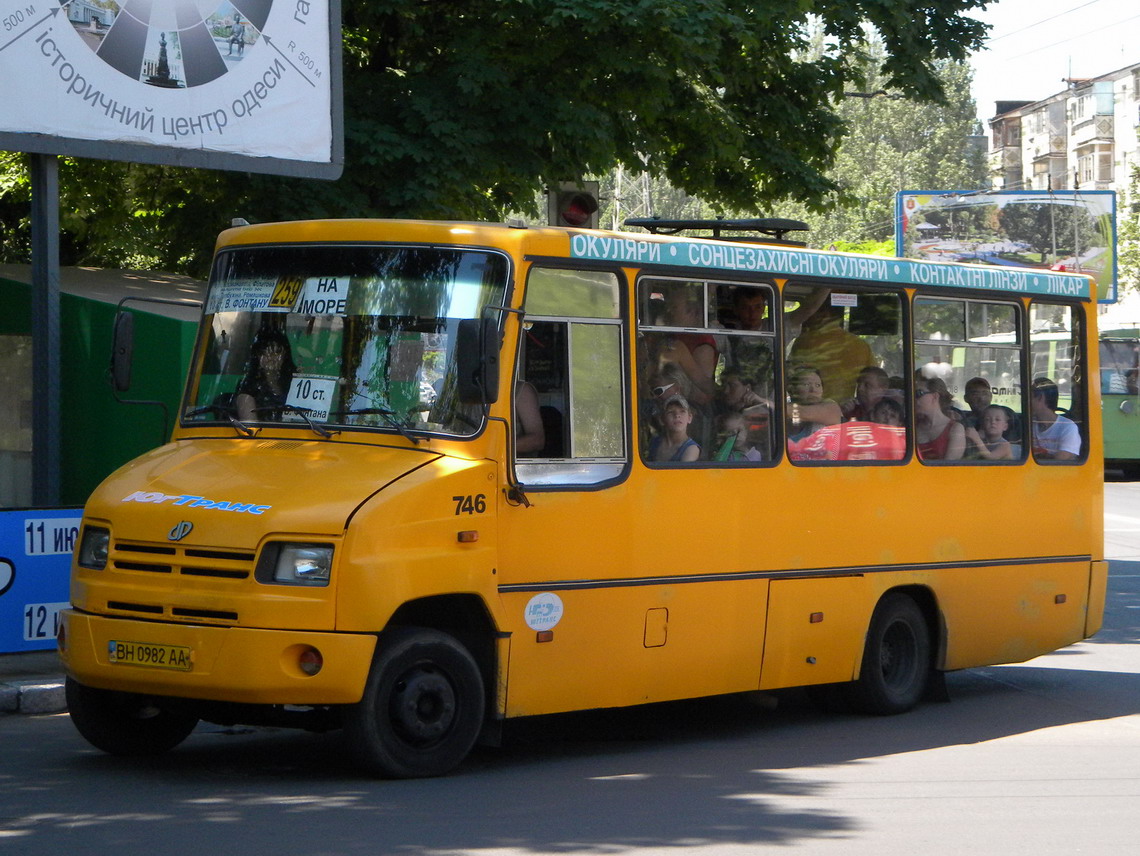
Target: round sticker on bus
(543,611)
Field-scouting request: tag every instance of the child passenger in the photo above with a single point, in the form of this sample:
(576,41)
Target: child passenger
(737,445)
(870,387)
(888,412)
(809,410)
(989,444)
(675,445)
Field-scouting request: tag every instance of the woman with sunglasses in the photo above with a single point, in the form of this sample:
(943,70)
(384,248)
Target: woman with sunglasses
(937,436)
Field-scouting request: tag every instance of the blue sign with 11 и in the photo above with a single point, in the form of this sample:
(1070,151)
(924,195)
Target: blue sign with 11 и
(35,560)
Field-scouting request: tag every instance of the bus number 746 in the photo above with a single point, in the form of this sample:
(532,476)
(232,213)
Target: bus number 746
(470,504)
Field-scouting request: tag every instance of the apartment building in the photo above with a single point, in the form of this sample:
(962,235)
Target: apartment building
(1086,137)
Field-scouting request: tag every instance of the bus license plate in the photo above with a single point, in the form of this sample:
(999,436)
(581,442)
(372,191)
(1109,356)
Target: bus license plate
(152,655)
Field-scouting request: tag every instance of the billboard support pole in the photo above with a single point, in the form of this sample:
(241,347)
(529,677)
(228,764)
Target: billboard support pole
(45,330)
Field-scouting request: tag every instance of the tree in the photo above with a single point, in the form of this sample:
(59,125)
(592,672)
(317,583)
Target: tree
(1051,230)
(1128,245)
(463,108)
(896,143)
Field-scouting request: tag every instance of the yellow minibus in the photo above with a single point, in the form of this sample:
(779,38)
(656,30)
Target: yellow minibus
(431,476)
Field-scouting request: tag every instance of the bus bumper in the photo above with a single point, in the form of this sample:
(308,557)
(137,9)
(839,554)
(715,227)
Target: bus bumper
(1098,590)
(230,664)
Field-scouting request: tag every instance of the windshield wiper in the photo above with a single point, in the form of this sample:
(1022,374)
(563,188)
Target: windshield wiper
(389,417)
(304,412)
(228,411)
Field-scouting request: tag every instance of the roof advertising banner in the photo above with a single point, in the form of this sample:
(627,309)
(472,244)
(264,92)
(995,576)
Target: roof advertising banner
(251,85)
(1072,231)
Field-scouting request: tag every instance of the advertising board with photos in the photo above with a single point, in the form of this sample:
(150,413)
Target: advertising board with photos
(1062,230)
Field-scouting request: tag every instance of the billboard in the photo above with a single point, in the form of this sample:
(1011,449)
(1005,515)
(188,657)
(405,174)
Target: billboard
(1071,231)
(35,561)
(250,85)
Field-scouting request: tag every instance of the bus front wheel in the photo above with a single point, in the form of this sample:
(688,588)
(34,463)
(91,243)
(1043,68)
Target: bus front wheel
(896,659)
(125,723)
(422,707)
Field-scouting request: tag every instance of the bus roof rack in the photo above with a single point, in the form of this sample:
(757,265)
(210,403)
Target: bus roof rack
(772,229)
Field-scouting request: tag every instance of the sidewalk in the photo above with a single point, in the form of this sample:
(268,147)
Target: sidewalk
(31,682)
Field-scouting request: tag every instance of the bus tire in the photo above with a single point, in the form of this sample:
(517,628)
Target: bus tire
(896,658)
(126,724)
(422,707)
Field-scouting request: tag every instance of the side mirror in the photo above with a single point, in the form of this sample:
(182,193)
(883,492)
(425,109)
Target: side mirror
(1127,406)
(477,360)
(122,350)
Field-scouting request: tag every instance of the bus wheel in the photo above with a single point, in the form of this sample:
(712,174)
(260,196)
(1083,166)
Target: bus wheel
(125,723)
(422,707)
(896,660)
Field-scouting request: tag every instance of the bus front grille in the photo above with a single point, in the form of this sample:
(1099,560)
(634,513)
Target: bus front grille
(187,561)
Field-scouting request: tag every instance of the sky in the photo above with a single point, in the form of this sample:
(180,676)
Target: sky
(1034,44)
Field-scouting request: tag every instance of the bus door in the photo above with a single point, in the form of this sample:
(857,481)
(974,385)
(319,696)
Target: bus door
(563,525)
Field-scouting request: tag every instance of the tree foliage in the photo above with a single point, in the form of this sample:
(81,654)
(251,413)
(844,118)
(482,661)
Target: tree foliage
(464,108)
(1128,241)
(1051,230)
(896,143)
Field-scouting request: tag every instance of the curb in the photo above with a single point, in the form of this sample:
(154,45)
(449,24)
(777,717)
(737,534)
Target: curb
(33,695)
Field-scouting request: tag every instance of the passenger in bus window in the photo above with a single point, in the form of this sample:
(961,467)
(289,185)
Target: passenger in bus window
(838,355)
(888,411)
(675,445)
(752,357)
(978,396)
(268,376)
(738,393)
(737,444)
(794,318)
(530,435)
(663,385)
(938,436)
(809,410)
(695,353)
(751,308)
(871,385)
(670,381)
(1055,437)
(988,442)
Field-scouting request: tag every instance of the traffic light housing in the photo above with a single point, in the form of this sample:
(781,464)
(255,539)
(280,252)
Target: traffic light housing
(574,205)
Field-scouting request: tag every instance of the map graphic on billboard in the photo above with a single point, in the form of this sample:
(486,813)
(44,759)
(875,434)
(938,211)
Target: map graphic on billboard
(1057,230)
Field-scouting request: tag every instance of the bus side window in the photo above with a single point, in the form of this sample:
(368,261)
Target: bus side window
(679,358)
(1057,400)
(570,356)
(746,385)
(844,402)
(973,349)
(1119,361)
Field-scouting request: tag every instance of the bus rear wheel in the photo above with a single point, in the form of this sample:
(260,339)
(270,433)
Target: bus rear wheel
(422,708)
(125,723)
(896,659)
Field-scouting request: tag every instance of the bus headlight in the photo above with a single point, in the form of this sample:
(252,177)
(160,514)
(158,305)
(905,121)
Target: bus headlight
(94,547)
(296,564)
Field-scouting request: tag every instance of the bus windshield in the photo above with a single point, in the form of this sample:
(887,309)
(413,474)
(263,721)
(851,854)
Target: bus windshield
(362,336)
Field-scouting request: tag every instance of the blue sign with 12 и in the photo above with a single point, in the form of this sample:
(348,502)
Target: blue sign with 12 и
(35,560)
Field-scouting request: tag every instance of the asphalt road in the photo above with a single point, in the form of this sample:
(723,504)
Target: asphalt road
(1037,758)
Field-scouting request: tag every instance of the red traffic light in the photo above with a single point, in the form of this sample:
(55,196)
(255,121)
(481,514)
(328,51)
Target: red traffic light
(575,208)
(573,204)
